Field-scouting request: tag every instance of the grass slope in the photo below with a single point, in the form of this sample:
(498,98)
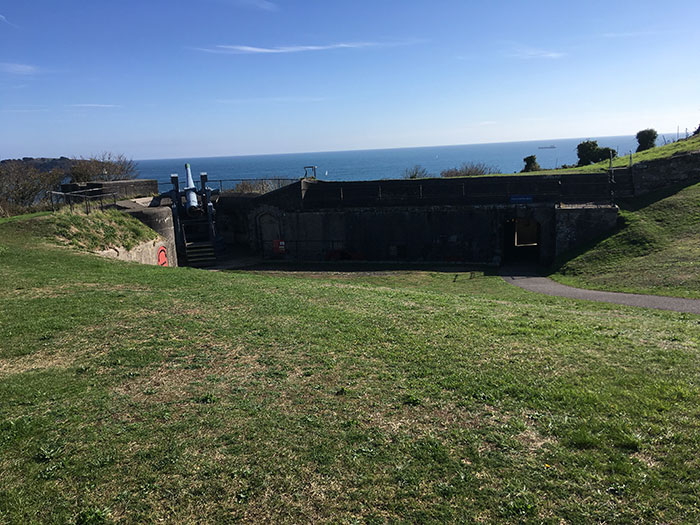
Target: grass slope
(691,144)
(656,251)
(100,230)
(139,394)
(688,145)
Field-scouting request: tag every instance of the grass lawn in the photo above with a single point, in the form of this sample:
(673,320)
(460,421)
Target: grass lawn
(139,394)
(655,251)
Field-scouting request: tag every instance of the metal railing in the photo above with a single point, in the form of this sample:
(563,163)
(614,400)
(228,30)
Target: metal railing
(83,200)
(248,185)
(390,193)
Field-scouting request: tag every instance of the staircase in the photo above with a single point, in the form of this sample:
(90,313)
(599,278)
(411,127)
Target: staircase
(200,254)
(199,249)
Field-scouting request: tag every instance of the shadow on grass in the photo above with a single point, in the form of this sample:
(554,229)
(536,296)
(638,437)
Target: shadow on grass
(369,266)
(569,255)
(630,205)
(637,203)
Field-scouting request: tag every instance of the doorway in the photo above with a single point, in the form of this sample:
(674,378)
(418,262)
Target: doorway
(521,241)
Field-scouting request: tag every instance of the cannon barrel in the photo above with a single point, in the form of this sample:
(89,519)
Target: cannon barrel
(191,203)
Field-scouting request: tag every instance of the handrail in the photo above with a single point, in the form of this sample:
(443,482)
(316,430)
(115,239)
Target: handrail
(234,181)
(70,199)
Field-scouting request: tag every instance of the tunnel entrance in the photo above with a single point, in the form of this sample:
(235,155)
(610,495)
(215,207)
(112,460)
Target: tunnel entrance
(521,241)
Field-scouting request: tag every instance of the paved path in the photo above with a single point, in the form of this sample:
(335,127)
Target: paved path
(546,286)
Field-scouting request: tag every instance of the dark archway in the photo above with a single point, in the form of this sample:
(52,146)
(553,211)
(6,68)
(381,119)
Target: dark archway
(521,241)
(269,234)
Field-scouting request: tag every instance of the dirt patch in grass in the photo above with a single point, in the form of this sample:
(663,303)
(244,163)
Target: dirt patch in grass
(70,289)
(532,440)
(176,381)
(65,349)
(37,361)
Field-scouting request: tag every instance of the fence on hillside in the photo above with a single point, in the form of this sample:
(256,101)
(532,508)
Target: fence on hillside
(87,200)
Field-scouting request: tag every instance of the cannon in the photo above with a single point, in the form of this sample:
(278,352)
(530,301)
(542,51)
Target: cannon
(191,202)
(194,220)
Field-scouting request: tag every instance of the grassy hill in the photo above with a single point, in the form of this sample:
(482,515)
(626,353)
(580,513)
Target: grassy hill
(136,394)
(656,250)
(660,152)
(691,144)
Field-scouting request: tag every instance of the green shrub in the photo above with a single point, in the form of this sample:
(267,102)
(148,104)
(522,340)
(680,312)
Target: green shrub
(531,164)
(589,153)
(416,172)
(470,169)
(646,139)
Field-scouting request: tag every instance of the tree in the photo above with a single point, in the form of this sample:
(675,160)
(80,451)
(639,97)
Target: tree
(531,164)
(105,166)
(646,139)
(697,131)
(589,153)
(606,154)
(470,169)
(22,185)
(416,172)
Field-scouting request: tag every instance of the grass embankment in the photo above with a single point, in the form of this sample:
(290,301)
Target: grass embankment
(688,145)
(691,144)
(141,394)
(655,251)
(100,230)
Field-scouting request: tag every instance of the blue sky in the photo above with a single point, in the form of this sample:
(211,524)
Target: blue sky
(167,78)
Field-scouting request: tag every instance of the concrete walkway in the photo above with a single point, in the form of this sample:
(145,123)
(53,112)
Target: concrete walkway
(529,281)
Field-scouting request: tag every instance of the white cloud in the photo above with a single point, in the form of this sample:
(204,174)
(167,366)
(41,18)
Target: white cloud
(6,21)
(17,69)
(528,53)
(264,5)
(253,50)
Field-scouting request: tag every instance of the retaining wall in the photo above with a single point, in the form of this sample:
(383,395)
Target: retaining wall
(158,218)
(658,174)
(531,189)
(577,226)
(469,234)
(149,252)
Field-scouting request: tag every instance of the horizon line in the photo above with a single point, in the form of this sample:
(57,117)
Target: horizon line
(589,137)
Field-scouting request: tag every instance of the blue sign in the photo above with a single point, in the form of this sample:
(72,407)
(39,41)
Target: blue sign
(520,199)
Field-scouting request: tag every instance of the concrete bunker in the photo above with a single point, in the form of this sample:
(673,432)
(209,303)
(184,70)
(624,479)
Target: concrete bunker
(482,220)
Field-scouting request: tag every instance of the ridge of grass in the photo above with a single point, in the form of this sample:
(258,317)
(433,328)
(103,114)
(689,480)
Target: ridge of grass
(24,217)
(655,250)
(689,145)
(138,394)
(99,230)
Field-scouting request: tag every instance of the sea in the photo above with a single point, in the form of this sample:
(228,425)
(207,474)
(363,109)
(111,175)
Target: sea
(377,164)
